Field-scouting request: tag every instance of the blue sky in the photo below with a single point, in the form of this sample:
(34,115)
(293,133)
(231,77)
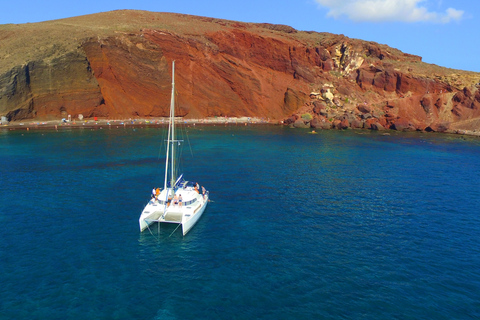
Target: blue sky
(442,32)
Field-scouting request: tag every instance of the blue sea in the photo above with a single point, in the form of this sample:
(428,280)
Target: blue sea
(333,225)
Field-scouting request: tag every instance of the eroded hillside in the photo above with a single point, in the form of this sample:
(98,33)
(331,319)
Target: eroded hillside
(117,64)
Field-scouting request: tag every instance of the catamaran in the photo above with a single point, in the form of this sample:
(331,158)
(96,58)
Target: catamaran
(180,201)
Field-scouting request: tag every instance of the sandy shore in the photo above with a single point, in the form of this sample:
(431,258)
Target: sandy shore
(102,123)
(153,122)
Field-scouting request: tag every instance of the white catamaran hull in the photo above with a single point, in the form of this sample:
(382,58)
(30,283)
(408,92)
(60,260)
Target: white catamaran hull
(189,222)
(187,215)
(150,214)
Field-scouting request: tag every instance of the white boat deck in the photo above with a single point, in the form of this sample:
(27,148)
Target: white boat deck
(174,216)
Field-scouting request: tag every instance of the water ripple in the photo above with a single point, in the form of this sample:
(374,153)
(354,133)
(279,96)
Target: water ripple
(335,225)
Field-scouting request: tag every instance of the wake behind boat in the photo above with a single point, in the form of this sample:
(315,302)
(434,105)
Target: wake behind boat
(181,202)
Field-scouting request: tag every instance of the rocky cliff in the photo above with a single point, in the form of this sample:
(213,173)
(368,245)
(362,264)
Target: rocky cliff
(117,64)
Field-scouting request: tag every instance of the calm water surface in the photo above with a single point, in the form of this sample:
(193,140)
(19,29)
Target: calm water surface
(334,225)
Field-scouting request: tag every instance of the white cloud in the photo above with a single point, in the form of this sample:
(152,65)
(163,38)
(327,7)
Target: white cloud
(388,10)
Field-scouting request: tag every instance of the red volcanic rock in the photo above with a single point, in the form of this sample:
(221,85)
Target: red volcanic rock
(230,72)
(471,100)
(356,124)
(383,121)
(379,79)
(350,117)
(369,122)
(328,65)
(440,102)
(321,123)
(314,123)
(460,97)
(466,104)
(326,125)
(291,119)
(301,124)
(406,83)
(377,126)
(366,116)
(319,107)
(346,90)
(438,127)
(118,66)
(427,103)
(337,102)
(336,124)
(403,124)
(344,124)
(365,77)
(224,68)
(363,108)
(389,117)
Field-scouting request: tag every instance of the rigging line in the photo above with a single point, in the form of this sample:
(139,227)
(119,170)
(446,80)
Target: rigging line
(163,145)
(188,140)
(175,230)
(148,227)
(184,132)
(180,161)
(180,149)
(183,128)
(179,158)
(157,176)
(190,146)
(166,203)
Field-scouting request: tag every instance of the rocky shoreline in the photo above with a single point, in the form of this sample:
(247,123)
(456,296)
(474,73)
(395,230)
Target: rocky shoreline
(293,122)
(326,111)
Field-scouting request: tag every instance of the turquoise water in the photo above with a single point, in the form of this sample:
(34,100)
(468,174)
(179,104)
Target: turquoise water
(334,225)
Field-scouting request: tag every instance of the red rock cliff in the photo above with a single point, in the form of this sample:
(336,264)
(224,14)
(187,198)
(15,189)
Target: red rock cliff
(117,64)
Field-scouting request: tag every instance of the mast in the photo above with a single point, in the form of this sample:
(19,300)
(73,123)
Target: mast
(171,133)
(172,119)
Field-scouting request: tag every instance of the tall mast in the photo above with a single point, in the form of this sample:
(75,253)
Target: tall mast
(172,119)
(171,133)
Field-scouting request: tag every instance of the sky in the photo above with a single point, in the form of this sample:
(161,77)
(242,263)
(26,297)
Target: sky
(442,32)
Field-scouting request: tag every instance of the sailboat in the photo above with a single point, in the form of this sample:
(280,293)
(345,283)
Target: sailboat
(180,201)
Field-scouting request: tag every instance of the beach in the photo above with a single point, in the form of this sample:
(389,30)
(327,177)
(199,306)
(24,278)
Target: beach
(101,123)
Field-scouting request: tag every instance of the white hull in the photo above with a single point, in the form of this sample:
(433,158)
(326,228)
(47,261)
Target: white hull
(150,214)
(187,224)
(187,214)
